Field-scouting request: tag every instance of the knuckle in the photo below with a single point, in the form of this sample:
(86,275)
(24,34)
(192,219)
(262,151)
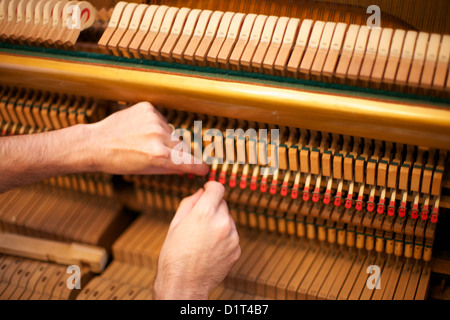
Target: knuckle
(234,242)
(186,201)
(146,106)
(159,151)
(216,186)
(156,128)
(224,226)
(238,252)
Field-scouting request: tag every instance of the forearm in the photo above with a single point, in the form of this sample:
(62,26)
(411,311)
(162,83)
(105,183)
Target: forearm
(31,158)
(169,287)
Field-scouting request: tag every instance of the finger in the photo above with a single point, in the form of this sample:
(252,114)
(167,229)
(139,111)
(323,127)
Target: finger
(236,253)
(121,107)
(172,141)
(159,170)
(165,126)
(159,114)
(163,120)
(166,163)
(183,162)
(222,209)
(155,115)
(211,198)
(185,207)
(233,225)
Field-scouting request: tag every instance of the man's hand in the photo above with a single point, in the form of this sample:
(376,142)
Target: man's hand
(200,248)
(137,140)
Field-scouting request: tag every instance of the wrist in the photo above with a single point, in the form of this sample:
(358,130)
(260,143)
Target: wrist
(83,157)
(177,290)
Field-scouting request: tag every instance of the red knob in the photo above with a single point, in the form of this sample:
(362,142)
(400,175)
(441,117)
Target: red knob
(233,181)
(294,194)
(391,211)
(243,183)
(348,204)
(305,196)
(358,205)
(380,209)
(315,197)
(337,201)
(434,218)
(424,215)
(273,189)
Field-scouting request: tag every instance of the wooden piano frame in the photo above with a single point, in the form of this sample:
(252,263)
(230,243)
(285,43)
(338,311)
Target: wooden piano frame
(398,118)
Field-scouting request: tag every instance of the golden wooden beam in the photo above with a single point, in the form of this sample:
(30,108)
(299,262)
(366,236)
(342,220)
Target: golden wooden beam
(416,124)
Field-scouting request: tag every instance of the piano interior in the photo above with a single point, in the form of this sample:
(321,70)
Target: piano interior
(363,116)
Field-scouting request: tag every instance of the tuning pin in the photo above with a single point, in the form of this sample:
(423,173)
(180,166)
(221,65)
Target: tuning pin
(348,203)
(243,182)
(254,179)
(306,187)
(359,200)
(233,176)
(327,195)
(402,208)
(425,208)
(380,207)
(232,182)
(382,200)
(223,173)
(435,213)
(327,198)
(263,186)
(212,173)
(415,212)
(415,207)
(424,214)
(338,197)
(305,196)
(371,202)
(253,184)
(349,199)
(391,207)
(294,193)
(316,193)
(359,203)
(285,184)
(284,190)
(274,183)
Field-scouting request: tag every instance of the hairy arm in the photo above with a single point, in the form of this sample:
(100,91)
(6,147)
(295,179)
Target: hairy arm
(31,158)
(202,243)
(136,140)
(200,248)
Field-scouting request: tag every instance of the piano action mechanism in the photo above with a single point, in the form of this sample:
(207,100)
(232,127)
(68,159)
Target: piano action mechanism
(364,135)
